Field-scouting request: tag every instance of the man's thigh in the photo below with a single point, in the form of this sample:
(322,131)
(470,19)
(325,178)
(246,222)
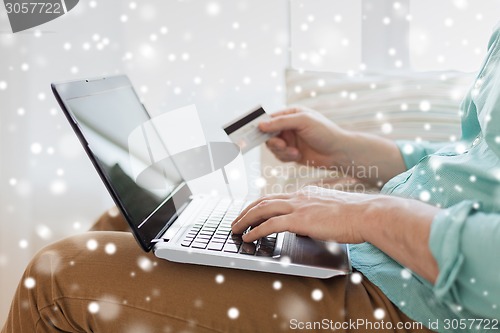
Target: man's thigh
(104,282)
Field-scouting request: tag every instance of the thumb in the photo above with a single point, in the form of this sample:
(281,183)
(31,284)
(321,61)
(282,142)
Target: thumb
(282,123)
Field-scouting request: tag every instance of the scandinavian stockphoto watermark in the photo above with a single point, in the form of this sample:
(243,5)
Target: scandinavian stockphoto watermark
(26,14)
(352,325)
(286,178)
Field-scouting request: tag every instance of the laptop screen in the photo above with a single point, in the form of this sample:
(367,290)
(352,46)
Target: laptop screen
(111,120)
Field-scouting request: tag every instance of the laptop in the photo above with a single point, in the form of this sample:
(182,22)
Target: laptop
(169,219)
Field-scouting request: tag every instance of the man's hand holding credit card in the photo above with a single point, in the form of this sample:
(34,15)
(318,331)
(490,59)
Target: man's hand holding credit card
(244,131)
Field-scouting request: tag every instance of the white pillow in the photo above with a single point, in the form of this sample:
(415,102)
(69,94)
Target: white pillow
(399,105)
(395,105)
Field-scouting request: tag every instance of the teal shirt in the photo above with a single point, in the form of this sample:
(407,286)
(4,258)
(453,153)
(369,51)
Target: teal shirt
(463,178)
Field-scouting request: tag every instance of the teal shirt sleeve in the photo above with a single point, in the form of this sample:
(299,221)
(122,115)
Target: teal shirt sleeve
(412,151)
(466,245)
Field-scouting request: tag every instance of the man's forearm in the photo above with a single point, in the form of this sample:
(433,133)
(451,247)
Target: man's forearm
(401,229)
(376,159)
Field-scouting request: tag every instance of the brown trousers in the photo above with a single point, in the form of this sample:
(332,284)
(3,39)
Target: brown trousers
(101,281)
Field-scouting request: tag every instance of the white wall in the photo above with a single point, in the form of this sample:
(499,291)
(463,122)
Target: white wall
(374,35)
(451,34)
(326,34)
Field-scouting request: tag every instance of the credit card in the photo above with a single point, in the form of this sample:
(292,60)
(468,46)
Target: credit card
(244,130)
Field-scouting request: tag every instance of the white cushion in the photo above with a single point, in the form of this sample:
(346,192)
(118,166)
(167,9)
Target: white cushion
(395,105)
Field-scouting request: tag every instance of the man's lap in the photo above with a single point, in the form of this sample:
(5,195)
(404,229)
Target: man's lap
(102,281)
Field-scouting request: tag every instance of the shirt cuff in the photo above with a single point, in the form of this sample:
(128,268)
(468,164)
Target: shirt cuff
(444,243)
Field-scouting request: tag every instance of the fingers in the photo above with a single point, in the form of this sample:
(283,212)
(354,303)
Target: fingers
(276,144)
(256,202)
(261,212)
(292,121)
(290,154)
(270,226)
(285,112)
(282,151)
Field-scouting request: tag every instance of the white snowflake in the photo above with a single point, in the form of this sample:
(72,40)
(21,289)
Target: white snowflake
(277,285)
(285,261)
(58,187)
(425,106)
(110,248)
(260,182)
(386,128)
(213,9)
(408,149)
(461,4)
(36,148)
(145,264)
(92,244)
(219,278)
(43,232)
(93,307)
(333,247)
(29,283)
(233,313)
(356,278)
(424,196)
(406,274)
(317,295)
(460,148)
(379,314)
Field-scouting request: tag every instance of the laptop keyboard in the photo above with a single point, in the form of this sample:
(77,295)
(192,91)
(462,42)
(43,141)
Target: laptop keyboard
(212,231)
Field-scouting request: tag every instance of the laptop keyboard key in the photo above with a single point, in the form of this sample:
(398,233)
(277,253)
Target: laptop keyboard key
(265,251)
(199,245)
(213,232)
(266,241)
(215,246)
(233,248)
(248,248)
